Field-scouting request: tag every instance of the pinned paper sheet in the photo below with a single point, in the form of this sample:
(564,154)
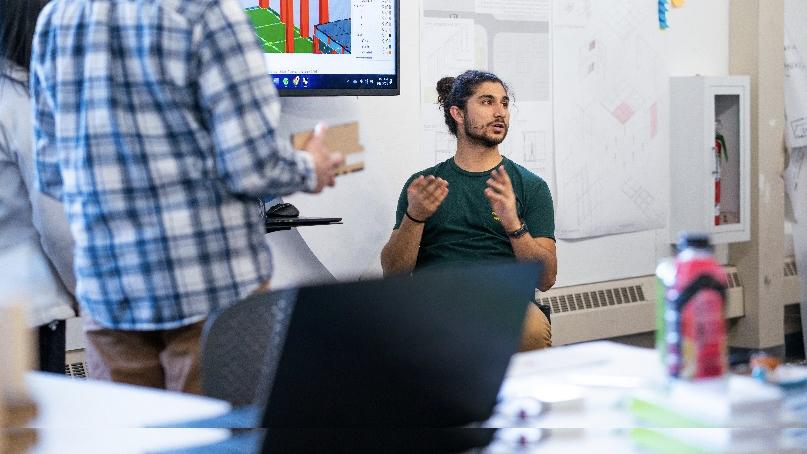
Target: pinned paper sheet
(341,138)
(796,188)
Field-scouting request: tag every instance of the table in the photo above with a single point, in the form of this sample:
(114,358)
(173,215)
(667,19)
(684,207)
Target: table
(586,386)
(99,417)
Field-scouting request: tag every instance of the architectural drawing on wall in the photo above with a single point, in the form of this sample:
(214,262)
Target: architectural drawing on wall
(450,52)
(526,55)
(641,196)
(653,120)
(609,109)
(799,128)
(515,10)
(622,102)
(580,195)
(572,12)
(535,151)
(536,155)
(301,26)
(445,145)
(622,18)
(795,74)
(590,59)
(458,35)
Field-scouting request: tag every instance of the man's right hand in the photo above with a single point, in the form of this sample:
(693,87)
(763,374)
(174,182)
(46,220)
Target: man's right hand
(325,161)
(425,195)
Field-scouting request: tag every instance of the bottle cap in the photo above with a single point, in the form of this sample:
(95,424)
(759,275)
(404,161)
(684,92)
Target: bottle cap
(693,240)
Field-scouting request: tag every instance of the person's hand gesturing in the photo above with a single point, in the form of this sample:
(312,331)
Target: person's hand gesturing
(425,195)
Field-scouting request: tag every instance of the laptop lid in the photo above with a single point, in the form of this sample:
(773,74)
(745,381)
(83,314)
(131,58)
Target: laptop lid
(428,350)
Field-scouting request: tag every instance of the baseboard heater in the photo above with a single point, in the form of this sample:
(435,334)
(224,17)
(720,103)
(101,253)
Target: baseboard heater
(616,308)
(791,293)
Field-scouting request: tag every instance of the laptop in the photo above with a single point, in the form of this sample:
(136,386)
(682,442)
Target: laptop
(404,362)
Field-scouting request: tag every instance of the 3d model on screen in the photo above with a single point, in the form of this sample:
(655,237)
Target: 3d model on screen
(301,26)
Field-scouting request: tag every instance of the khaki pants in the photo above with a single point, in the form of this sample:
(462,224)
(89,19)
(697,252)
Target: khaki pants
(537,332)
(165,359)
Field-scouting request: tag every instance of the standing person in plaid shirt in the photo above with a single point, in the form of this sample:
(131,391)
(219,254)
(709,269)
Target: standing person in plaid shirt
(155,126)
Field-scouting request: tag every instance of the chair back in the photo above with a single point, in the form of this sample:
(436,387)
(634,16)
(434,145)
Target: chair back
(241,347)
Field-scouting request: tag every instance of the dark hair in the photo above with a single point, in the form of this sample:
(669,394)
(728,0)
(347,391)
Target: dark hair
(456,91)
(17,25)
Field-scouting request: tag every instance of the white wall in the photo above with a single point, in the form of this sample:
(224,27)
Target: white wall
(389,128)
(697,44)
(698,40)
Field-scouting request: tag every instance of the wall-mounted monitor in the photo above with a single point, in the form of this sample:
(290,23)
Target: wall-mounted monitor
(329,47)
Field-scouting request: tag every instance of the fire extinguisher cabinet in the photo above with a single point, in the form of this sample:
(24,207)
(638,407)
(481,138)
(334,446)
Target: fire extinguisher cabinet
(710,158)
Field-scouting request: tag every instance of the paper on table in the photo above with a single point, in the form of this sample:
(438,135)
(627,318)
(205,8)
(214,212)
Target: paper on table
(598,358)
(553,394)
(554,360)
(607,381)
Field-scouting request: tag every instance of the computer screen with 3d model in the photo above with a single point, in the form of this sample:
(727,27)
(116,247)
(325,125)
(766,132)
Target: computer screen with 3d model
(329,47)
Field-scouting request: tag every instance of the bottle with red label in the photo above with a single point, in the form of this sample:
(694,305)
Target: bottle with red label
(694,312)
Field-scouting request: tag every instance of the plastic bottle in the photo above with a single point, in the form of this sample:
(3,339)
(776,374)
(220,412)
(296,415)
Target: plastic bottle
(694,312)
(665,278)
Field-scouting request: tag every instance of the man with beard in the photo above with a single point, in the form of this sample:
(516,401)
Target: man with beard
(478,205)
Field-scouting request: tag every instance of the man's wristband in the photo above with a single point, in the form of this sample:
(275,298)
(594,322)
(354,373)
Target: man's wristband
(416,221)
(519,232)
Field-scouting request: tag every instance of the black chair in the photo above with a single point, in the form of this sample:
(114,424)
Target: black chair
(241,346)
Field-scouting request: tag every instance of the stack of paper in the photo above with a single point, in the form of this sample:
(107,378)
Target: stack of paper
(736,401)
(714,440)
(734,414)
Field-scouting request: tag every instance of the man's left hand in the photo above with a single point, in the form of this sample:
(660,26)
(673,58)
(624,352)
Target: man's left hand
(502,199)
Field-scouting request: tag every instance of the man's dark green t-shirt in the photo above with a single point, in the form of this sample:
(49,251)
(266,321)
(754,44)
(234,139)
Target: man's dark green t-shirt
(464,229)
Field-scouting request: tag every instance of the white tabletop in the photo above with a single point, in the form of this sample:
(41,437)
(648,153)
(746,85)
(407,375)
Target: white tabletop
(583,389)
(585,384)
(98,417)
(588,381)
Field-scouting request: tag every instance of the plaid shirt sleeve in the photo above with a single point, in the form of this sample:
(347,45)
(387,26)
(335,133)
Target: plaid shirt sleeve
(241,108)
(47,175)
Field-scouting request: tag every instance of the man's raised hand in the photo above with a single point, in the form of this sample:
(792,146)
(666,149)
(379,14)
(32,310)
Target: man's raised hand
(325,161)
(425,194)
(502,199)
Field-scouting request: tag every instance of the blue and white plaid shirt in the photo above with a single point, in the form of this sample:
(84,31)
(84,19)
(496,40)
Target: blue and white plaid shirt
(155,125)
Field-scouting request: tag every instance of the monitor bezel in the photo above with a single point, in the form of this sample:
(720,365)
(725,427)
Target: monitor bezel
(394,90)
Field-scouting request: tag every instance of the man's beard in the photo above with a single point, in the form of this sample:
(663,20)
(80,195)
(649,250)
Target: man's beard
(481,138)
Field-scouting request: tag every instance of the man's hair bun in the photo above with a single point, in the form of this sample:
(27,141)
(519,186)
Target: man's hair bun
(444,86)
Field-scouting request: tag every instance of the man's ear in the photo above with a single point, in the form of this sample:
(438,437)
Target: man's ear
(457,114)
